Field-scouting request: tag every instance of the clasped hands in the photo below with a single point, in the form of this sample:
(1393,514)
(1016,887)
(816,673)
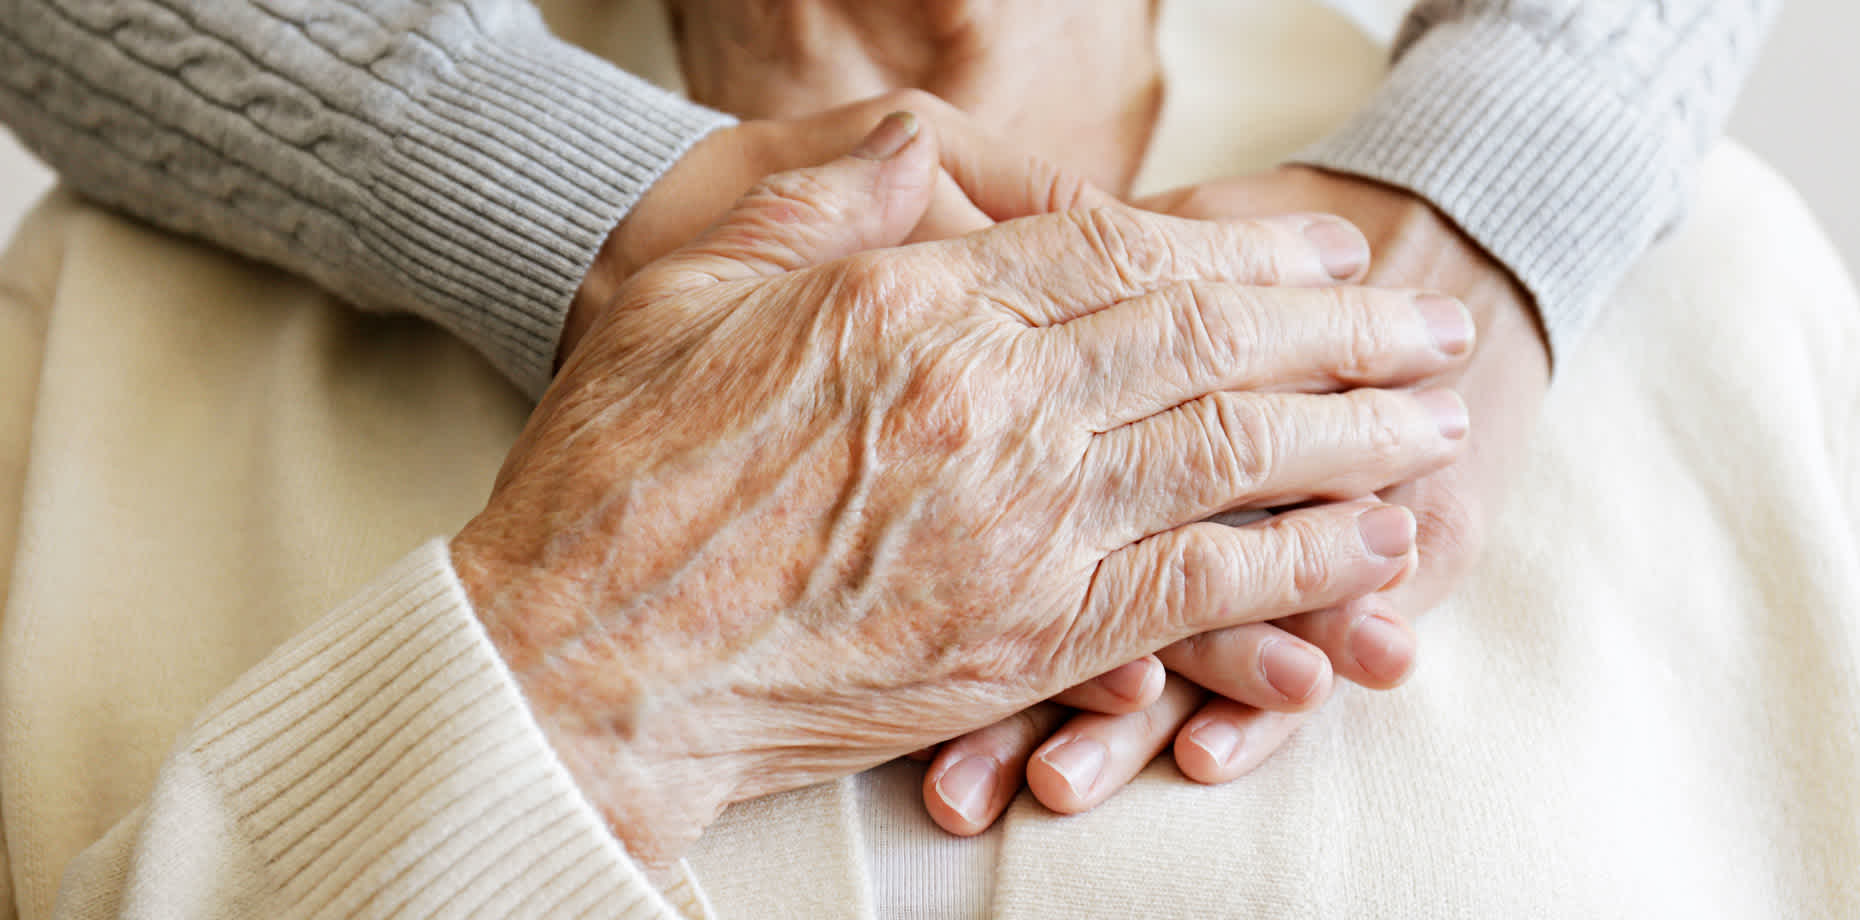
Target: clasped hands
(1081,84)
(799,503)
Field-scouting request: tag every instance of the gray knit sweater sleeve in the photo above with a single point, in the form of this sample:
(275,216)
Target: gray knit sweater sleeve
(1563,135)
(445,157)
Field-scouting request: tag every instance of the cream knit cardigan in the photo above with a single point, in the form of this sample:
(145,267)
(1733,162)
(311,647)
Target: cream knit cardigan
(1645,703)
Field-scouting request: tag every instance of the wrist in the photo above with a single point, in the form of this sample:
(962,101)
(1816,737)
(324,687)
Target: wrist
(629,753)
(695,191)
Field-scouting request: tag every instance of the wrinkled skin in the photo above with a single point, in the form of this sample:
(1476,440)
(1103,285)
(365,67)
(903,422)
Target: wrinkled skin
(788,512)
(1218,714)
(1078,83)
(1233,696)
(982,181)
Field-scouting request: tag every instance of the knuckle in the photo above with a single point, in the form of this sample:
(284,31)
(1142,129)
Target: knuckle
(1135,248)
(788,203)
(1263,268)
(1303,559)
(1053,188)
(1265,252)
(1201,574)
(796,186)
(1371,350)
(1222,331)
(1242,443)
(1381,426)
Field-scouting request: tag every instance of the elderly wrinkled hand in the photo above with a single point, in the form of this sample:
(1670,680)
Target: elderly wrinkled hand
(794,507)
(1222,712)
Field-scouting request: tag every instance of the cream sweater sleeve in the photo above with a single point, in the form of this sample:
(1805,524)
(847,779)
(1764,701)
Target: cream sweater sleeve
(450,158)
(1563,135)
(382,763)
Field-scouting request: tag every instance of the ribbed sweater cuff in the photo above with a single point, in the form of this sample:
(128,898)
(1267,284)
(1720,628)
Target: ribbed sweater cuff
(518,154)
(1529,149)
(384,763)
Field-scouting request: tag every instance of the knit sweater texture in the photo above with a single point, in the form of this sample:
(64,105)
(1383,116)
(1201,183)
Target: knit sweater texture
(451,159)
(1563,135)
(454,160)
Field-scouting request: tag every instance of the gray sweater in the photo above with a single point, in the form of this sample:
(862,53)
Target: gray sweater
(451,158)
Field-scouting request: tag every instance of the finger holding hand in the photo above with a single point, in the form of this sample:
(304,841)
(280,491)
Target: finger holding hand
(1228,450)
(981,180)
(972,779)
(1231,698)
(1213,739)
(1371,640)
(741,544)
(1199,337)
(1069,768)
(1365,640)
(1092,756)
(1078,765)
(1226,740)
(1057,267)
(795,219)
(1259,665)
(1126,688)
(984,178)
(1202,577)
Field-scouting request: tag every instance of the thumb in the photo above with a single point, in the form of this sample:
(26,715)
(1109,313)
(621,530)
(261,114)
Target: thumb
(870,198)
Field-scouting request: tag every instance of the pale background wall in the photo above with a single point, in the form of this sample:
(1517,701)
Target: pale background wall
(1800,111)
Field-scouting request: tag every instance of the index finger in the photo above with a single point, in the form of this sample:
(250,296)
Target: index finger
(1058,267)
(1200,577)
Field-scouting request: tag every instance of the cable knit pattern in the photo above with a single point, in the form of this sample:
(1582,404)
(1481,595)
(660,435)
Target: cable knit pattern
(450,159)
(1563,135)
(453,159)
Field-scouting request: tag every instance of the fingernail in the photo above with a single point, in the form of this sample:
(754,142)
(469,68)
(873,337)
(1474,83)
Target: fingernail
(965,788)
(1388,531)
(1449,412)
(1128,681)
(1292,669)
(1448,322)
(1077,762)
(1381,647)
(893,133)
(1342,249)
(1219,739)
